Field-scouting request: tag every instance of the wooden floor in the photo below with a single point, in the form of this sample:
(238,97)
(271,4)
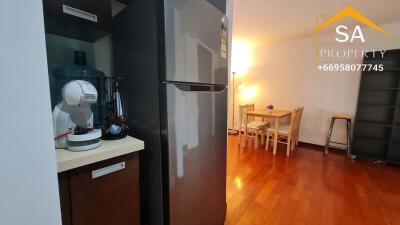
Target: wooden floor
(308,189)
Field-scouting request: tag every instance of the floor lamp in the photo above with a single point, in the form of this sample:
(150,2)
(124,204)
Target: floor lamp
(232,130)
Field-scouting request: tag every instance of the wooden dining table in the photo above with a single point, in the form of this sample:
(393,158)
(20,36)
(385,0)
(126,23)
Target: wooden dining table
(275,114)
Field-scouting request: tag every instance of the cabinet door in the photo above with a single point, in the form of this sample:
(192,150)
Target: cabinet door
(86,20)
(63,185)
(105,193)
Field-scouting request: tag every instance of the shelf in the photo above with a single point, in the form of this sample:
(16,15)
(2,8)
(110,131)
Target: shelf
(375,123)
(379,105)
(391,70)
(375,114)
(370,148)
(376,140)
(83,20)
(368,157)
(384,70)
(378,97)
(379,89)
(396,118)
(395,135)
(372,132)
(379,80)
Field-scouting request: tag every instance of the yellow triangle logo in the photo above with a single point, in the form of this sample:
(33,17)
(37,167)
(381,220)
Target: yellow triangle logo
(350,11)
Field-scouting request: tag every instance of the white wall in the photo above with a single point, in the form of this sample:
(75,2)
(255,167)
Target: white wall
(28,187)
(285,75)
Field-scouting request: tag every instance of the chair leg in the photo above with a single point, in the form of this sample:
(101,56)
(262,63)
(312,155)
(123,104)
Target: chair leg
(256,139)
(249,138)
(267,142)
(293,145)
(288,146)
(262,137)
(240,136)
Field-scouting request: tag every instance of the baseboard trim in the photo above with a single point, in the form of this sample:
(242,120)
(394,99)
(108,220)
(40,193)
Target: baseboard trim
(311,146)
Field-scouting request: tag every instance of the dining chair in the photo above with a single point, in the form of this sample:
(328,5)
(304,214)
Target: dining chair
(298,122)
(254,128)
(286,133)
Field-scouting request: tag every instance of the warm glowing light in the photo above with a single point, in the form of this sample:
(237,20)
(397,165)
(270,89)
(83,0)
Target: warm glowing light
(241,86)
(238,182)
(248,93)
(240,56)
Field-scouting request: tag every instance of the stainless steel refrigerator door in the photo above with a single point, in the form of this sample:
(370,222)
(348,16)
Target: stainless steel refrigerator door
(196,41)
(197,143)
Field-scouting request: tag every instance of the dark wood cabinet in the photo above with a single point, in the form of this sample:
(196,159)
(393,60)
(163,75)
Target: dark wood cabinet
(377,125)
(86,20)
(103,193)
(63,184)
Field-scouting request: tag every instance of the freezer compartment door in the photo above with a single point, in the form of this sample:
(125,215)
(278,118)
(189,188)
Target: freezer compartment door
(196,41)
(197,143)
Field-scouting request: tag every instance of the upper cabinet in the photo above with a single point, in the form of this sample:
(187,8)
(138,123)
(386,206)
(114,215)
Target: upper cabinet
(86,20)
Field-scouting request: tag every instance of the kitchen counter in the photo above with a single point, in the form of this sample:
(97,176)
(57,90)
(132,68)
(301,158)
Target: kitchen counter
(67,160)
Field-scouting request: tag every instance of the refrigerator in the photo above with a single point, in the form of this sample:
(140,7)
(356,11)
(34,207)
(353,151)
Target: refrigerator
(172,55)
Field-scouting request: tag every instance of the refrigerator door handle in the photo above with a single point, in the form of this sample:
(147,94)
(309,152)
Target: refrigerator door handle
(200,87)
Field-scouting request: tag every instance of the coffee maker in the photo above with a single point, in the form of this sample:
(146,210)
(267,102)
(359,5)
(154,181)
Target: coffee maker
(109,113)
(79,70)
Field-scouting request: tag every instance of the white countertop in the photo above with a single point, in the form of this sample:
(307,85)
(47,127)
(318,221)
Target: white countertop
(67,160)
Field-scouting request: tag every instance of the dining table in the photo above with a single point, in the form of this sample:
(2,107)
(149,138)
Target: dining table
(275,114)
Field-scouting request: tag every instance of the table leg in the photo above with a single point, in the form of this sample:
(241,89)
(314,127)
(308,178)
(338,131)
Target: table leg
(276,135)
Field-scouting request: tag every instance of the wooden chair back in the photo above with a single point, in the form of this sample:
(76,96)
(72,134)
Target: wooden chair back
(292,124)
(298,121)
(242,113)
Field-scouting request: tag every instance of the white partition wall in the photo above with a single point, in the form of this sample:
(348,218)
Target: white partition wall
(28,175)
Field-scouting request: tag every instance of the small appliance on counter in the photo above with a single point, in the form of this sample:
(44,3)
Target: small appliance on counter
(115,126)
(73,117)
(79,70)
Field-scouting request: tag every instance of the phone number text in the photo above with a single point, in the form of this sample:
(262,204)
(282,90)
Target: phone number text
(350,67)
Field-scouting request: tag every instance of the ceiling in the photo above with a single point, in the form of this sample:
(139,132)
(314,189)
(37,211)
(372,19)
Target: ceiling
(279,20)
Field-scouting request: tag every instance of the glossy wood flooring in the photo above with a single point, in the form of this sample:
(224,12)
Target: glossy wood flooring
(308,189)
